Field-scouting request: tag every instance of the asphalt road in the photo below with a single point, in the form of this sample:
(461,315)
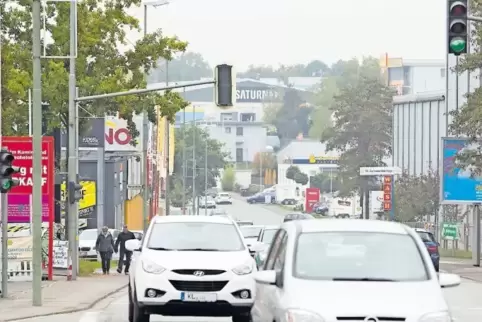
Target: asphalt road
(465,300)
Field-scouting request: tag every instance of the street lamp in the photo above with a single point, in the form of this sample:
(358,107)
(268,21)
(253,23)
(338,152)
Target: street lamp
(267,149)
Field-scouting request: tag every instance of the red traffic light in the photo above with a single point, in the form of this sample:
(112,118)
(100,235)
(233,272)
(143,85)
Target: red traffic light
(458,9)
(6,157)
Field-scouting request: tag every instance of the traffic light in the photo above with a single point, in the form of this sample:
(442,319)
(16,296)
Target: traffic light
(6,171)
(457,23)
(75,192)
(224,86)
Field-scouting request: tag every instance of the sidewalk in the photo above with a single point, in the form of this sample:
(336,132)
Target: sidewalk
(59,296)
(463,267)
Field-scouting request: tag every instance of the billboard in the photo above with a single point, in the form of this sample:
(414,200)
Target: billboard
(457,185)
(118,136)
(88,203)
(19,197)
(312,197)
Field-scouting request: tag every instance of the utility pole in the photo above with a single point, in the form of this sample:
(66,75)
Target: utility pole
(37,156)
(194,160)
(206,178)
(167,148)
(73,208)
(145,174)
(184,161)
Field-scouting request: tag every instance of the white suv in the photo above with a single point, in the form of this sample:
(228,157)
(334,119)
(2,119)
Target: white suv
(224,198)
(191,266)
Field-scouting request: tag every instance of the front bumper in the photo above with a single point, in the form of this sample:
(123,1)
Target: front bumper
(168,302)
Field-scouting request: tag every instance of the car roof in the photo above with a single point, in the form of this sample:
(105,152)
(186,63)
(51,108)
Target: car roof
(254,226)
(354,225)
(198,219)
(271,227)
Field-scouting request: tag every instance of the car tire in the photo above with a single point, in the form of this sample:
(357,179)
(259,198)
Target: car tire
(242,318)
(131,306)
(138,313)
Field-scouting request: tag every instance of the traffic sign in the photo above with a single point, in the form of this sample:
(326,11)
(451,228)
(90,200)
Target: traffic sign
(450,231)
(380,171)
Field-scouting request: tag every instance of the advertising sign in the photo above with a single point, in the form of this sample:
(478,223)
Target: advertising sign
(256,94)
(118,136)
(387,193)
(312,196)
(92,135)
(458,185)
(19,197)
(88,203)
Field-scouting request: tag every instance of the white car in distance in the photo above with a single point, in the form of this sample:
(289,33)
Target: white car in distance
(207,202)
(87,240)
(224,198)
(191,266)
(350,270)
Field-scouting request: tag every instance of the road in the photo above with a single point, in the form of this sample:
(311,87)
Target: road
(465,300)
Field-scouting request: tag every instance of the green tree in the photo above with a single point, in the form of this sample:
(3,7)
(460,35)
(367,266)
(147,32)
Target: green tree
(326,182)
(190,66)
(100,66)
(362,112)
(217,158)
(229,179)
(291,172)
(301,178)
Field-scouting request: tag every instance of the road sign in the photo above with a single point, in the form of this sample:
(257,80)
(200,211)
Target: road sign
(450,231)
(380,171)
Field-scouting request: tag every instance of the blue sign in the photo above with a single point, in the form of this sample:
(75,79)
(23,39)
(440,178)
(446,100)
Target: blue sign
(457,184)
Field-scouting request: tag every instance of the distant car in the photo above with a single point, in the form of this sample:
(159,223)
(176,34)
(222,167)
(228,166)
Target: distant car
(87,239)
(218,212)
(207,202)
(138,233)
(432,246)
(224,198)
(261,198)
(291,217)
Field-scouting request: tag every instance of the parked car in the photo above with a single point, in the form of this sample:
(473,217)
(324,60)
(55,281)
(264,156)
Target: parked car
(261,198)
(224,198)
(207,202)
(87,239)
(432,246)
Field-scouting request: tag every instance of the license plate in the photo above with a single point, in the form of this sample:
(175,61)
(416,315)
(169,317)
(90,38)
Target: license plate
(198,297)
(83,253)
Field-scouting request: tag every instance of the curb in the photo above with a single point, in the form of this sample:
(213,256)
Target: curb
(68,311)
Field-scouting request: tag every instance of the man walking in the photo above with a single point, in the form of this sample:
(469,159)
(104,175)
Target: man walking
(105,246)
(124,236)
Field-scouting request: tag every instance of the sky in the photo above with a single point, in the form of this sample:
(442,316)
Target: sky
(273,32)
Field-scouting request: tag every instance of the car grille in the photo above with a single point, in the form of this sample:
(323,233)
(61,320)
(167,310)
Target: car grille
(375,319)
(199,286)
(205,271)
(84,249)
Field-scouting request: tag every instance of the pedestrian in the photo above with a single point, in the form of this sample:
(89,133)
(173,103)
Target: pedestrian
(124,236)
(105,247)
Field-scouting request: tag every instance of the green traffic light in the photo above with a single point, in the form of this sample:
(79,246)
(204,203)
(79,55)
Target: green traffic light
(457,45)
(6,185)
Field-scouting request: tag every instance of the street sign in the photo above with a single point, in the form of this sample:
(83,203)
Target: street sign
(450,231)
(134,186)
(380,171)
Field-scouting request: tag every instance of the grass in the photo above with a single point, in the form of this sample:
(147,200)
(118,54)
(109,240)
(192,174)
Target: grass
(88,268)
(458,253)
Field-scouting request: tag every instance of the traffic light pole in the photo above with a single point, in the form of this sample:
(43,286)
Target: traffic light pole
(4,245)
(475,19)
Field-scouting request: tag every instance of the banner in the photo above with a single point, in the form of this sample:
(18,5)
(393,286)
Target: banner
(88,203)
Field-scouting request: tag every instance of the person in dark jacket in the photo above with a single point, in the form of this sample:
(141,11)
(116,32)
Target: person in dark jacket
(124,236)
(105,246)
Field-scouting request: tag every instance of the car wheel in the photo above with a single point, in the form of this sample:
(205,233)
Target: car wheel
(242,318)
(131,306)
(138,313)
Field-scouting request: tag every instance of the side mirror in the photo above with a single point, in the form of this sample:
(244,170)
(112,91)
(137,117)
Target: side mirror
(133,245)
(265,277)
(139,238)
(257,246)
(448,280)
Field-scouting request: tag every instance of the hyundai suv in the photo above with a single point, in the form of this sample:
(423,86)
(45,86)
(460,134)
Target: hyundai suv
(191,266)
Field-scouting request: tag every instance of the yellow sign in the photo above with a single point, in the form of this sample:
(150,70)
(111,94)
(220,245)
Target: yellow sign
(89,198)
(325,159)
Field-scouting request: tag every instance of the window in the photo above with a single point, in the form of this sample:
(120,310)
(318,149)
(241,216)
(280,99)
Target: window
(248,117)
(239,155)
(279,262)
(195,235)
(426,237)
(395,74)
(227,130)
(356,255)
(239,131)
(273,250)
(250,231)
(268,236)
(226,117)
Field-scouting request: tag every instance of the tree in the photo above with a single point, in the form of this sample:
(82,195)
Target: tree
(100,66)
(325,182)
(301,178)
(362,112)
(315,68)
(291,172)
(217,158)
(229,179)
(190,66)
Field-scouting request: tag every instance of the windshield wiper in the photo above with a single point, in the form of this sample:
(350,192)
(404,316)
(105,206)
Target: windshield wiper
(161,248)
(199,250)
(363,279)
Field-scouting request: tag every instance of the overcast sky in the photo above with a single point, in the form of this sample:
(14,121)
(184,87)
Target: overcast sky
(298,31)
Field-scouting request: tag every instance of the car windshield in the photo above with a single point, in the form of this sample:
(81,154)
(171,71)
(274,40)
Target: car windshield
(223,195)
(250,231)
(89,234)
(244,223)
(358,256)
(426,236)
(268,235)
(195,236)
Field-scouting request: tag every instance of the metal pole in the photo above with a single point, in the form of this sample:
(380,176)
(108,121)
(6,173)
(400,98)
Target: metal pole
(145,175)
(260,171)
(29,112)
(72,171)
(167,147)
(4,246)
(37,157)
(194,160)
(476,242)
(184,161)
(100,186)
(206,177)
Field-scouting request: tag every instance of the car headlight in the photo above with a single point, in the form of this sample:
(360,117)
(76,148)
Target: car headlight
(151,267)
(243,269)
(437,317)
(295,315)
